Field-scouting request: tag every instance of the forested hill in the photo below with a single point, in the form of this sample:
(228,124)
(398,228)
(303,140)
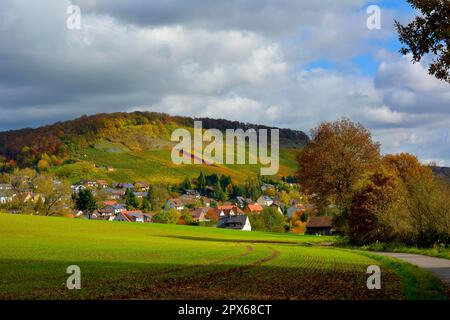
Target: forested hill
(56,143)
(442,172)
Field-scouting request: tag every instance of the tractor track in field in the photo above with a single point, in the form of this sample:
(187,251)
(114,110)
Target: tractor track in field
(176,287)
(172,270)
(149,276)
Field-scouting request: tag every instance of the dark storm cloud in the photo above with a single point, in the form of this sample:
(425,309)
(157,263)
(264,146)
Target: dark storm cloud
(268,16)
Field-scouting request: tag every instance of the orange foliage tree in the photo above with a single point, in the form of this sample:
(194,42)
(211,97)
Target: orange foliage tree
(338,156)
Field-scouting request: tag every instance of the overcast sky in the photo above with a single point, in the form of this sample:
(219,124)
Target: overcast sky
(288,63)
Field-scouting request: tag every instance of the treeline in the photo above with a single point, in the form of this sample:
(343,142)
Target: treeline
(298,137)
(53,144)
(27,146)
(374,198)
(222,188)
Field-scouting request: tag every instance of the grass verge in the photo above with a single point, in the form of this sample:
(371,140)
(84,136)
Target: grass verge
(438,251)
(418,284)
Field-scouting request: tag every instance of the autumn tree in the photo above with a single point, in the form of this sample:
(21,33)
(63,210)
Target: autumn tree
(335,160)
(170,216)
(367,220)
(185,218)
(284,198)
(409,169)
(158,196)
(428,34)
(297,222)
(42,165)
(273,220)
(426,200)
(22,184)
(212,215)
(256,222)
(54,194)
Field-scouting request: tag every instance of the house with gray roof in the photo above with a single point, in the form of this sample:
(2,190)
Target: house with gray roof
(240,222)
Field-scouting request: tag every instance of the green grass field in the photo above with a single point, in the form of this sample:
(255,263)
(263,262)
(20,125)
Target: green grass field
(152,261)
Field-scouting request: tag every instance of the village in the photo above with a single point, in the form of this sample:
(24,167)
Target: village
(200,206)
(211,201)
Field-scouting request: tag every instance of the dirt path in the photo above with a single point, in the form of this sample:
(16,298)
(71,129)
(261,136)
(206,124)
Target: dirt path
(438,266)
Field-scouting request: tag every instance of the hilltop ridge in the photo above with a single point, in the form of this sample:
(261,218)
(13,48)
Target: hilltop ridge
(62,139)
(125,146)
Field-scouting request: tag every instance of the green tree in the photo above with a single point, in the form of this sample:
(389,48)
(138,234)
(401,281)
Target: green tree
(212,179)
(85,201)
(146,205)
(187,185)
(170,216)
(256,221)
(304,217)
(273,220)
(185,218)
(130,200)
(201,183)
(252,188)
(158,196)
(225,181)
(237,191)
(219,194)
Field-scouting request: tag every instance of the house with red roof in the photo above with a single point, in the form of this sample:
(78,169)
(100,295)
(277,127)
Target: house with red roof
(103,184)
(254,208)
(134,216)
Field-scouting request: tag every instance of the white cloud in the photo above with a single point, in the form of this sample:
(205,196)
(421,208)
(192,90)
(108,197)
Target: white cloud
(223,59)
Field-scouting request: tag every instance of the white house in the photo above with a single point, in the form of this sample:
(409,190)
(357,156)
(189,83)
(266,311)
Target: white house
(113,209)
(266,187)
(77,188)
(4,198)
(176,204)
(265,201)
